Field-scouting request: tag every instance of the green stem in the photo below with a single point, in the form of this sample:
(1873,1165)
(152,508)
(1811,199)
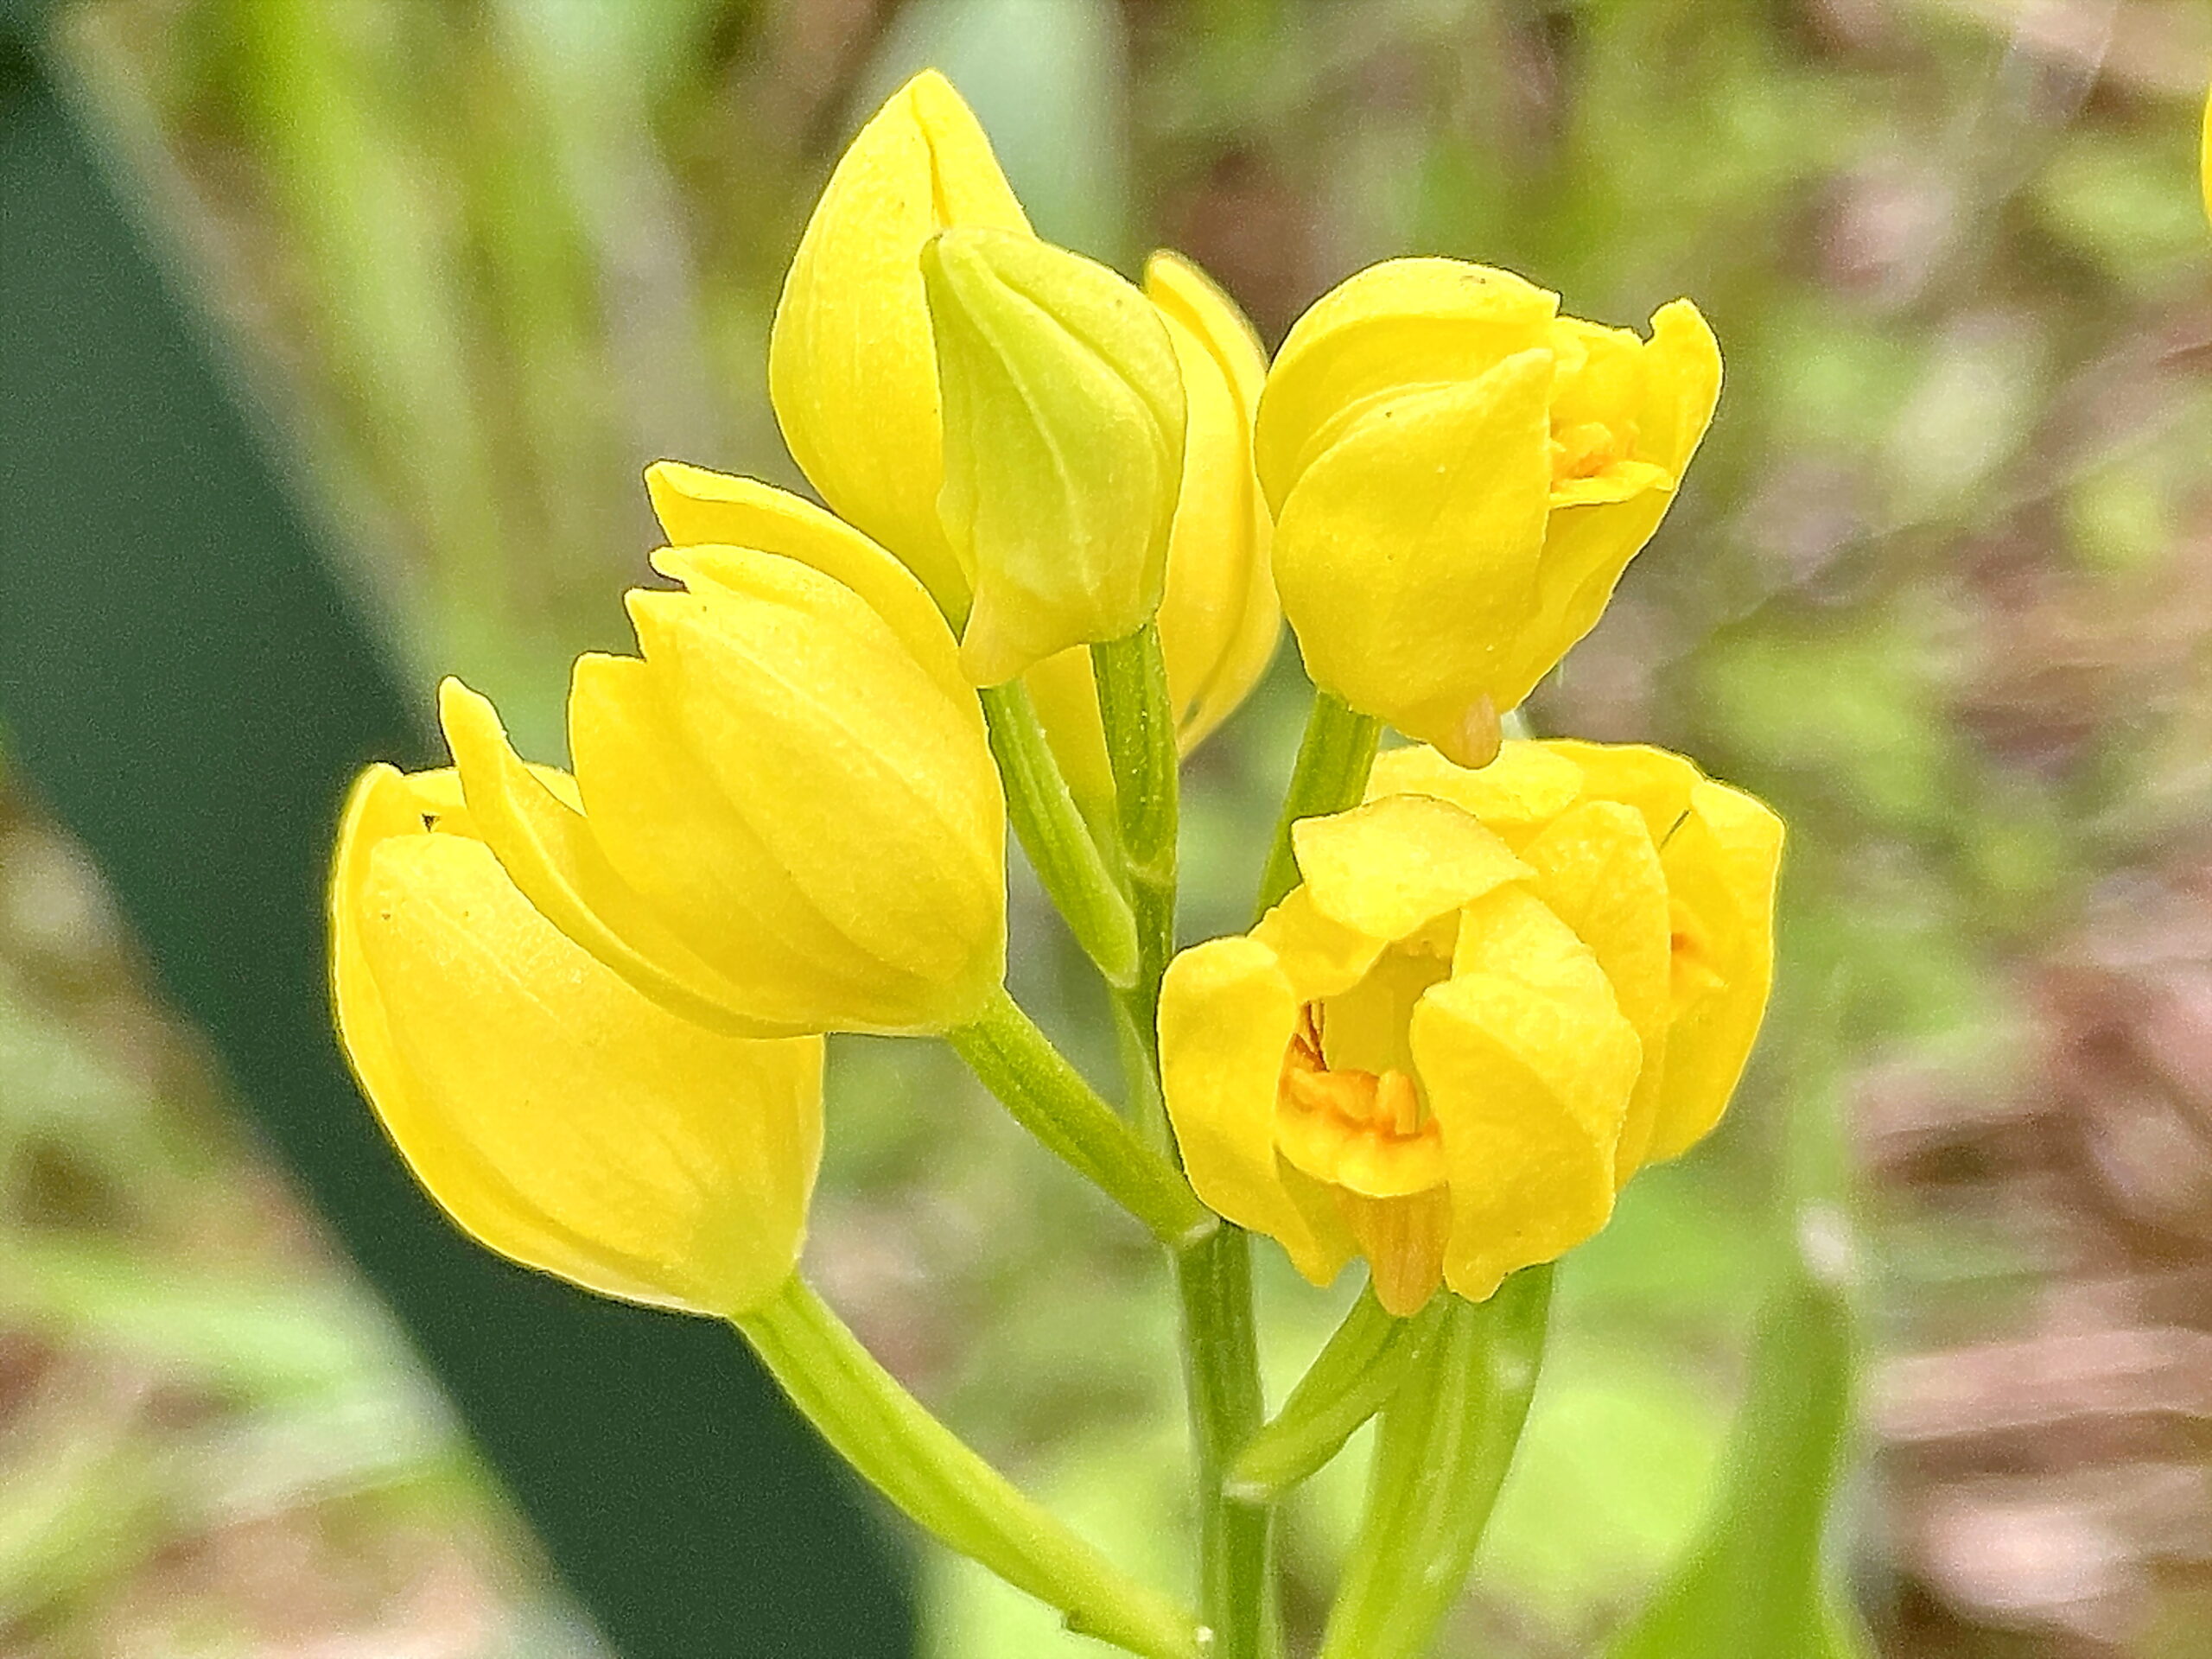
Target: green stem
(1134,707)
(945,1487)
(1138,720)
(1049,1097)
(1054,833)
(1333,760)
(1213,1278)
(1353,1375)
(1447,1439)
(1221,1371)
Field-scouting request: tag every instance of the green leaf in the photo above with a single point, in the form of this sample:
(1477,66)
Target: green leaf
(1755,1587)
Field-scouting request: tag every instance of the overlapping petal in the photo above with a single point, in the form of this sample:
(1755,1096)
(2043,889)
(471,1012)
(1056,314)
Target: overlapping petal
(1718,852)
(1460,475)
(787,819)
(562,1118)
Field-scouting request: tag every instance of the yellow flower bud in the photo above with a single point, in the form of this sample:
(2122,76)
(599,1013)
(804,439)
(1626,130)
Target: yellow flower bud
(852,369)
(1459,476)
(2204,159)
(1062,445)
(559,1117)
(1218,619)
(1494,996)
(853,374)
(789,820)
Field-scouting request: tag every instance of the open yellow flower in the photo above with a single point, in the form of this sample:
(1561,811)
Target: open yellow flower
(787,818)
(1459,475)
(1598,819)
(561,1118)
(1494,996)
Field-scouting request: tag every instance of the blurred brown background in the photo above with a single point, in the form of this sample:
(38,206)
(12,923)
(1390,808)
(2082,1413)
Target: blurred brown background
(1940,586)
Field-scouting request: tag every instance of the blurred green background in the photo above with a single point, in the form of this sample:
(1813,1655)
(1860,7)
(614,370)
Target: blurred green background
(1939,587)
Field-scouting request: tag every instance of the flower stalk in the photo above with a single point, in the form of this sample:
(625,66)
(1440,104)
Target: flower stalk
(1334,757)
(1221,1372)
(1138,718)
(1213,1277)
(1054,833)
(945,1487)
(1354,1376)
(1447,1439)
(1047,1096)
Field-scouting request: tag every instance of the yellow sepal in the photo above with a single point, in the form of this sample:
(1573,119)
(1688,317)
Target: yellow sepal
(852,370)
(558,1116)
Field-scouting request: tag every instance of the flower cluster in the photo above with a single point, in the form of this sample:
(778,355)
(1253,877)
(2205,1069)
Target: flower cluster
(1497,991)
(1065,518)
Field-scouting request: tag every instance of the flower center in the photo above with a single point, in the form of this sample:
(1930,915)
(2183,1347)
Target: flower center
(1585,449)
(1363,1130)
(1366,1137)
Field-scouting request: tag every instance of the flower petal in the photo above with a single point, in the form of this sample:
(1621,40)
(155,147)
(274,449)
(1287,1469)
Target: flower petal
(1721,866)
(1594,533)
(1529,1067)
(1682,387)
(551,853)
(1319,955)
(831,791)
(702,509)
(1219,619)
(1227,1015)
(1525,788)
(1385,868)
(1598,871)
(1392,328)
(1063,422)
(561,1117)
(1405,571)
(852,369)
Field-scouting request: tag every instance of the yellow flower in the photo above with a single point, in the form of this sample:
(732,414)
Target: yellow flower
(1062,445)
(853,373)
(558,1117)
(788,818)
(2204,159)
(1218,619)
(1459,475)
(852,360)
(1493,996)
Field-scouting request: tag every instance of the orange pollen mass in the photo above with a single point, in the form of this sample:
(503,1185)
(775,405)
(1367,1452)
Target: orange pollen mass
(1368,1138)
(1585,449)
